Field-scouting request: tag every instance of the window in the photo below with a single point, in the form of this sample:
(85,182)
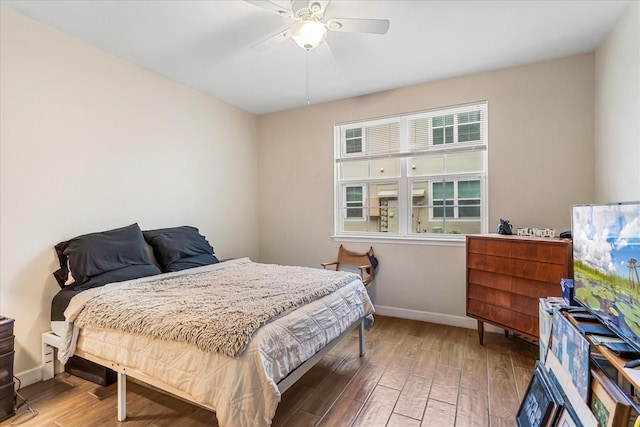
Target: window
(353,140)
(469,198)
(354,202)
(468,126)
(442,193)
(442,129)
(413,176)
(456,199)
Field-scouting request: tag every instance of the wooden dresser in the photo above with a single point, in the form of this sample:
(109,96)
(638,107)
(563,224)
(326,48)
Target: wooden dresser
(507,274)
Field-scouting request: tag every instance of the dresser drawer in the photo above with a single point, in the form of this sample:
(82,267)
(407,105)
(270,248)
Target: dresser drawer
(6,344)
(7,401)
(546,251)
(6,327)
(6,368)
(527,268)
(511,301)
(520,285)
(500,316)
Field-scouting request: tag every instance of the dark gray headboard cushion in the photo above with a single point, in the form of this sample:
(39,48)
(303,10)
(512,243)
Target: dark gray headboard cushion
(178,248)
(120,275)
(90,256)
(191,262)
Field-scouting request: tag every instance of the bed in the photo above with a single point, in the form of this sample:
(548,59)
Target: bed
(229,336)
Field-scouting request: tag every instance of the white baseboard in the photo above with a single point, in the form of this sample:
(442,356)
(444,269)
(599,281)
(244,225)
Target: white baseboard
(439,318)
(35,375)
(31,376)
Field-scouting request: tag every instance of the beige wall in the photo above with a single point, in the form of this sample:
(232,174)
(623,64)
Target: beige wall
(540,162)
(617,116)
(90,142)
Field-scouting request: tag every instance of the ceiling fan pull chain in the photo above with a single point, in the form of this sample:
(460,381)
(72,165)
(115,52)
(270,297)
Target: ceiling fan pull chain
(307,65)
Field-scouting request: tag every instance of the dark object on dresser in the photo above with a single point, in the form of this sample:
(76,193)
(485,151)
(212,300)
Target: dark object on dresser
(7,393)
(504,227)
(565,235)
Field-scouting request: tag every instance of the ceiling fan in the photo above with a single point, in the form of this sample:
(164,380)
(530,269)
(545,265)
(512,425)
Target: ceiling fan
(310,28)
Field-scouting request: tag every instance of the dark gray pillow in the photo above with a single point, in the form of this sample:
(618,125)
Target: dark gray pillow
(93,254)
(177,248)
(191,262)
(119,275)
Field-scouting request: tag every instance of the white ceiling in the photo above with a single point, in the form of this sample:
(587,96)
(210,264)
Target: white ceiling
(206,44)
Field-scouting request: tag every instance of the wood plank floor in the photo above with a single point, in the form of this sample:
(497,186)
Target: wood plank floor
(414,374)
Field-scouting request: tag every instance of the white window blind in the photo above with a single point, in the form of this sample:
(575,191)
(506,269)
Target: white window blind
(459,128)
(378,139)
(455,129)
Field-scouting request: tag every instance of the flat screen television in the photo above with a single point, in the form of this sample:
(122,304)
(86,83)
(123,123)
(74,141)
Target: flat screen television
(606,260)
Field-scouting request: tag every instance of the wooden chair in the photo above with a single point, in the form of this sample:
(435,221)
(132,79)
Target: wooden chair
(357,259)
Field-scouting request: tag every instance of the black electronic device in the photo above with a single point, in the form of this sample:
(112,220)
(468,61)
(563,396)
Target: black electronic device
(573,309)
(623,350)
(586,317)
(632,364)
(595,329)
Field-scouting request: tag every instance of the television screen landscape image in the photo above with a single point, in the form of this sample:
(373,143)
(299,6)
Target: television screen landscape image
(606,254)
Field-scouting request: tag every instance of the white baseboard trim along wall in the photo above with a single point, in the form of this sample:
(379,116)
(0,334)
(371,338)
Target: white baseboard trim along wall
(442,319)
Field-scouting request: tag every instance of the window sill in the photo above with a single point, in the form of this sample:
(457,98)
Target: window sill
(449,240)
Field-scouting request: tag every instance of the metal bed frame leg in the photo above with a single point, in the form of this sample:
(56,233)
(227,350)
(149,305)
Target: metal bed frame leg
(361,336)
(122,396)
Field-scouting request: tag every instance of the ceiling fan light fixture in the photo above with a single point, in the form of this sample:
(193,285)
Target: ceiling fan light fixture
(308,33)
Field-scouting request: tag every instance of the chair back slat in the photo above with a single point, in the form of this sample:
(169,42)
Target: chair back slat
(346,256)
(357,259)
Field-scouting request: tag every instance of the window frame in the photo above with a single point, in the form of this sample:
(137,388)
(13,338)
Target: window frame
(407,151)
(362,206)
(456,199)
(444,127)
(363,147)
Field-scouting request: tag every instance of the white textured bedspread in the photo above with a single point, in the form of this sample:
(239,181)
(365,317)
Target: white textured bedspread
(243,390)
(217,310)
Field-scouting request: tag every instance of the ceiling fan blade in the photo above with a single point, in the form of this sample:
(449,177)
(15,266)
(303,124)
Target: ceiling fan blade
(279,7)
(271,41)
(352,25)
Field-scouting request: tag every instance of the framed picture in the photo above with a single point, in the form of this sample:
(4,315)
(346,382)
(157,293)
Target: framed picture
(572,350)
(570,395)
(609,404)
(540,404)
(568,418)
